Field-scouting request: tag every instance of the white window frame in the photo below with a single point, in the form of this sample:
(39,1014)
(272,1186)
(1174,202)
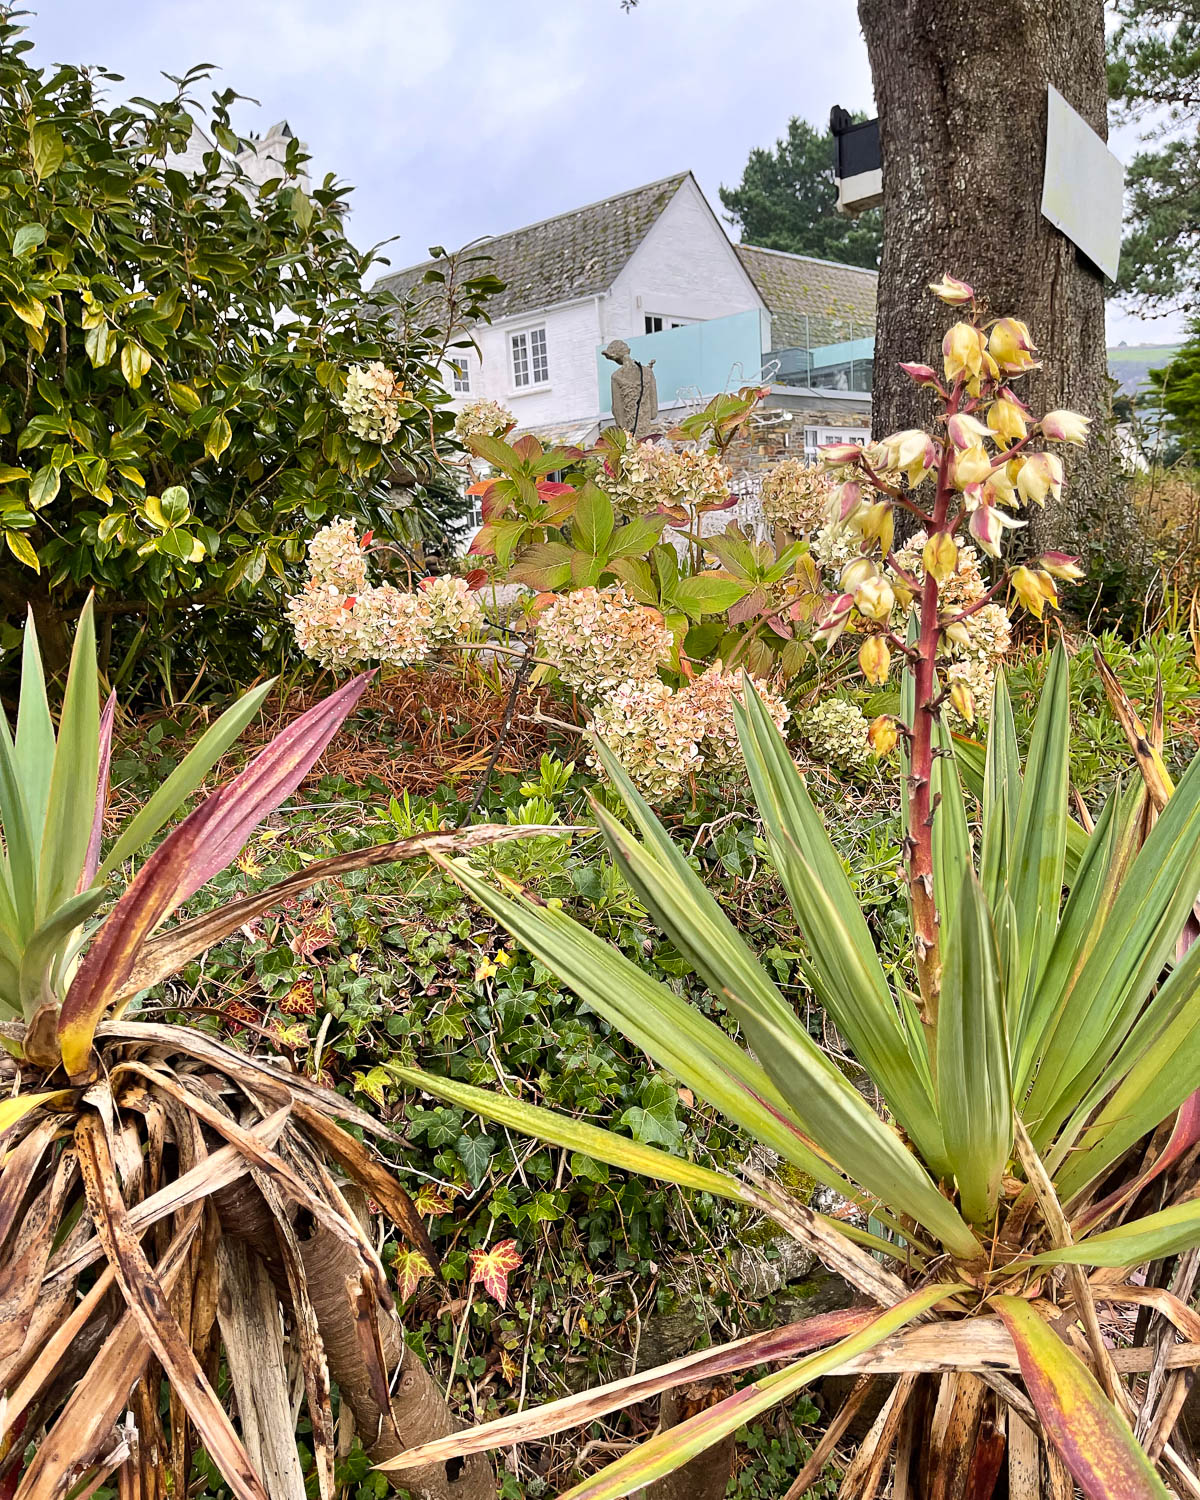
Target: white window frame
(666,322)
(460,383)
(529,364)
(817,437)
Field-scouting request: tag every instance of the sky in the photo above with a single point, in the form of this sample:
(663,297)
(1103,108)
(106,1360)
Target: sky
(460,118)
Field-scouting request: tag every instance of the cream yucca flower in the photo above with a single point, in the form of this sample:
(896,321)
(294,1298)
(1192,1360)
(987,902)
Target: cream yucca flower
(483,419)
(371,401)
(599,638)
(796,496)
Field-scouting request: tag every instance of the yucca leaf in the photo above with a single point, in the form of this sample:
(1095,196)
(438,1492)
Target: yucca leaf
(43,945)
(72,798)
(1102,868)
(1153,1237)
(167,799)
(670,1450)
(91,862)
(1036,857)
(19,913)
(35,734)
(571,1134)
(951,836)
(974,1089)
(1001,793)
(847,974)
(191,854)
(1158,1068)
(673,1033)
(1132,947)
(1093,1439)
(971,755)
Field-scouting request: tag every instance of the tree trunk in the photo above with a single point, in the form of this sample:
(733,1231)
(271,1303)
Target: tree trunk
(961,94)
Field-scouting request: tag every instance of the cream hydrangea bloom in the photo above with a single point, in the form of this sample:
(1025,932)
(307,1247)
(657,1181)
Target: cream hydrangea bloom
(371,401)
(651,474)
(709,700)
(835,732)
(483,419)
(335,556)
(451,610)
(796,496)
(598,638)
(652,734)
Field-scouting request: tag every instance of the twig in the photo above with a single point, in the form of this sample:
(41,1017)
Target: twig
(510,706)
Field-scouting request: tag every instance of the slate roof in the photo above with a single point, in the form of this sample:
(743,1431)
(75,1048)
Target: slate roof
(576,254)
(811,301)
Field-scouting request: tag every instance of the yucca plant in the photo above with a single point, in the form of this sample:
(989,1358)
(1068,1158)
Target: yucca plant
(172,1208)
(1031,1059)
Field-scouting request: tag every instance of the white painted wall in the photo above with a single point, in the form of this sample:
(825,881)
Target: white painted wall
(684,268)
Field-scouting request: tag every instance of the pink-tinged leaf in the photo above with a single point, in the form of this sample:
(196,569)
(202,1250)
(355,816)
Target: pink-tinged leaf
(1092,1438)
(476,579)
(491,1268)
(482,544)
(549,489)
(1184,1135)
(203,844)
(91,862)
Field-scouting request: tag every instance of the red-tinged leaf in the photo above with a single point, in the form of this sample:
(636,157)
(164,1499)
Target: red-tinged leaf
(481,487)
(1184,1135)
(314,936)
(476,579)
(1092,1438)
(481,543)
(204,843)
(91,862)
(491,1268)
(549,489)
(527,448)
(432,1199)
(411,1269)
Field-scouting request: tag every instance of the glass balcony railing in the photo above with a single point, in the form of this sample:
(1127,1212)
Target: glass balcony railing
(844,366)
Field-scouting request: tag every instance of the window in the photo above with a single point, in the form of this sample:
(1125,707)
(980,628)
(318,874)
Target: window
(529,362)
(656,322)
(460,372)
(817,437)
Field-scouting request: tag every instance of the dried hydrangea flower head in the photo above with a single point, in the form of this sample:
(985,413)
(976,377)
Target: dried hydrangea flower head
(652,734)
(835,732)
(483,419)
(796,497)
(599,638)
(647,476)
(342,621)
(709,700)
(371,401)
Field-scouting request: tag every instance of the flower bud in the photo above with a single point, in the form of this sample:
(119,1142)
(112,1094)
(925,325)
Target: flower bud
(940,556)
(883,734)
(1007,421)
(1034,589)
(1062,565)
(846,500)
(971,466)
(952,291)
(1040,475)
(987,525)
(874,599)
(871,519)
(966,430)
(922,374)
(1011,346)
(957,634)
(1066,426)
(963,351)
(875,660)
(856,573)
(832,454)
(963,699)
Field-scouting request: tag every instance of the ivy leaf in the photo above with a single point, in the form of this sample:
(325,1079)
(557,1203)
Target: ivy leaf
(411,1268)
(492,1268)
(475,1151)
(432,1200)
(653,1121)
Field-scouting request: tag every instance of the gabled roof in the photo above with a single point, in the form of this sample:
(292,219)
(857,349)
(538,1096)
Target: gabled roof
(811,301)
(577,254)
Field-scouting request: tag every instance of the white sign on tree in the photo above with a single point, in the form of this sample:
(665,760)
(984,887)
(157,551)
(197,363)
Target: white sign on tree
(1084,185)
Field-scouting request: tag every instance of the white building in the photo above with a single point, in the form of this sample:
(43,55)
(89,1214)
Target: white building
(655,267)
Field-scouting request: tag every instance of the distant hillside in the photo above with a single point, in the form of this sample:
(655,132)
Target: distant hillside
(1130,364)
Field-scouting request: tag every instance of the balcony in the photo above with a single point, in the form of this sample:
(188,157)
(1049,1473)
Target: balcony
(697,361)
